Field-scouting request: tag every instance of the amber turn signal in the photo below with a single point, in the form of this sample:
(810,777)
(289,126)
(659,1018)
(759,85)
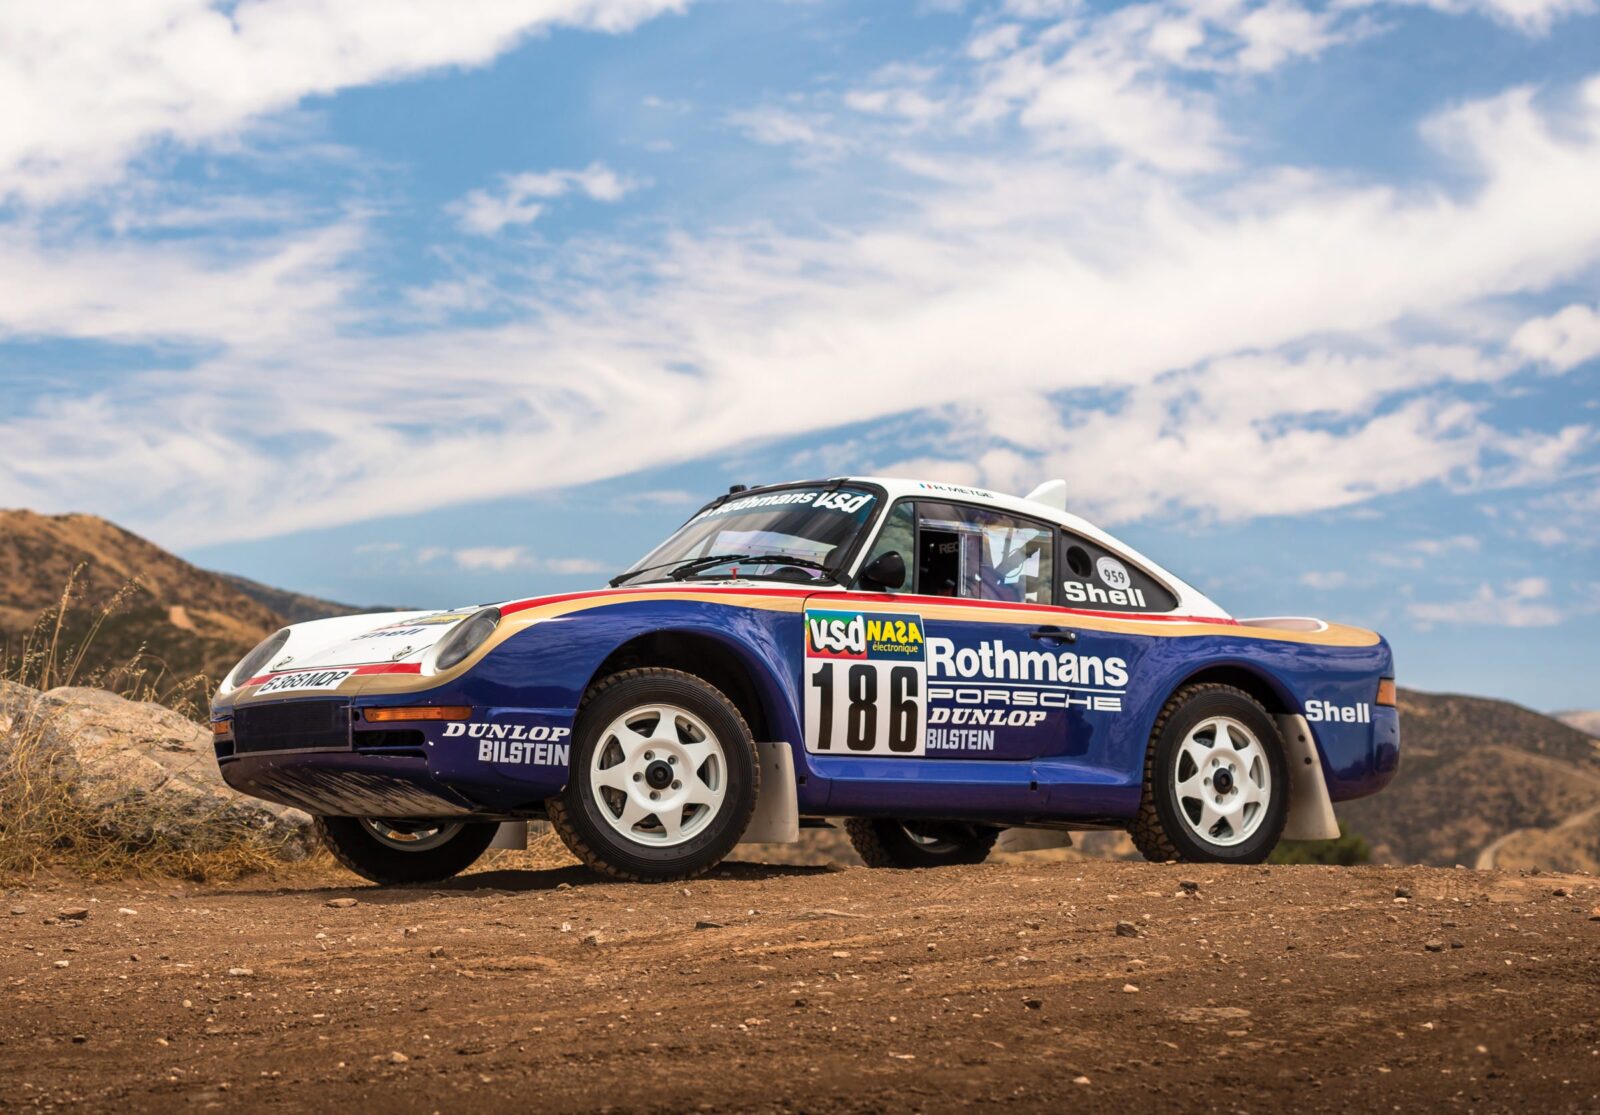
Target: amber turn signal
(221,727)
(430,712)
(1386,692)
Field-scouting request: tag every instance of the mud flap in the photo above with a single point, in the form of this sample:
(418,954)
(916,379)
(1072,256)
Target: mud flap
(777,816)
(1310,809)
(1031,840)
(511,836)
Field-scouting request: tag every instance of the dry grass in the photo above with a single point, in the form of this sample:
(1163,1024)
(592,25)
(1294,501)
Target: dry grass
(51,819)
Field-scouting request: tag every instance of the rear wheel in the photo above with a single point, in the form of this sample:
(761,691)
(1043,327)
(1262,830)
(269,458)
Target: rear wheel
(664,778)
(1216,787)
(885,842)
(396,851)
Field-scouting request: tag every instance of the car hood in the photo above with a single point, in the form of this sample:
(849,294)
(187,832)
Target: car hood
(365,640)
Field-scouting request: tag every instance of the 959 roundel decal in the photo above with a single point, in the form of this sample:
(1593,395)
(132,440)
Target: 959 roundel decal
(866,679)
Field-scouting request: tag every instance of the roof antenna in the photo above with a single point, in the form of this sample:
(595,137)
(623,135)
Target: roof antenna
(735,489)
(1052,493)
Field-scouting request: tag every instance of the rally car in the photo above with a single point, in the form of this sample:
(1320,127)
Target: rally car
(934,664)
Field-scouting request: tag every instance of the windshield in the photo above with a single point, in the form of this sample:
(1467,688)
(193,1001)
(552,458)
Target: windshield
(814,528)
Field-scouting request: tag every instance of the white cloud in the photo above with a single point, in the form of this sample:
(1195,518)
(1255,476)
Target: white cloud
(781,127)
(246,292)
(504,559)
(1531,17)
(1521,603)
(519,198)
(88,85)
(496,559)
(1118,83)
(572,566)
(1563,340)
(1324,581)
(1013,280)
(1436,547)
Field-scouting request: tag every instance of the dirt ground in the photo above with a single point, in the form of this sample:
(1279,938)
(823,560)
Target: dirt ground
(1106,986)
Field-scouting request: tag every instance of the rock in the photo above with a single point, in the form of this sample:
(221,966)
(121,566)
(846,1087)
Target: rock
(436,951)
(592,939)
(1188,886)
(1033,1004)
(126,911)
(703,924)
(1127,929)
(63,963)
(1594,914)
(1433,945)
(341,903)
(1402,892)
(398,1058)
(1130,988)
(74,913)
(18,911)
(1080,1080)
(149,774)
(1561,892)
(238,972)
(80,1039)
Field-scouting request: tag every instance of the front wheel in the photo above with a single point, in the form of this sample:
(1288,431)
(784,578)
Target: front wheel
(664,778)
(405,851)
(885,842)
(1216,787)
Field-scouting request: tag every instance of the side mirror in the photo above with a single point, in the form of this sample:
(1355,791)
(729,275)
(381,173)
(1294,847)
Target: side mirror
(886,571)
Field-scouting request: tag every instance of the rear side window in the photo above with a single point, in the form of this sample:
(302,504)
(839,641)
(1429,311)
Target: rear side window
(1094,578)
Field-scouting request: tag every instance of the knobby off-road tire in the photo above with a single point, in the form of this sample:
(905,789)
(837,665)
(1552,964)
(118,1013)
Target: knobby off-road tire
(885,842)
(1176,811)
(355,844)
(701,765)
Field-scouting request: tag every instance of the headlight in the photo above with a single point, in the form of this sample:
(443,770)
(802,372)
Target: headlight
(251,664)
(467,637)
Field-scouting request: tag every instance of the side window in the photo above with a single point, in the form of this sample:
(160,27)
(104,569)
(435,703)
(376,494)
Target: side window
(1092,577)
(898,535)
(979,554)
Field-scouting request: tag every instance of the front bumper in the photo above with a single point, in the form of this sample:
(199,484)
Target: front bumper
(321,756)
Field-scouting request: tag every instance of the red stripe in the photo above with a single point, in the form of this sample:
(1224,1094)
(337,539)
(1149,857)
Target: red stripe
(374,668)
(871,598)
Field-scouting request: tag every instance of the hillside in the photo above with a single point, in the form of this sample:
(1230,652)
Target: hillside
(295,607)
(1475,771)
(181,620)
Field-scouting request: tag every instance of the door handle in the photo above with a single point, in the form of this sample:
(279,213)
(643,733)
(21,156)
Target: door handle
(1053,634)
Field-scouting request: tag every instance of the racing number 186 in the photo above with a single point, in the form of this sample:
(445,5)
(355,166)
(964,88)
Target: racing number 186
(903,709)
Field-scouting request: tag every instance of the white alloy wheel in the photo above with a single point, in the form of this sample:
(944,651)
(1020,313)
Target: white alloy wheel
(1223,781)
(405,837)
(659,775)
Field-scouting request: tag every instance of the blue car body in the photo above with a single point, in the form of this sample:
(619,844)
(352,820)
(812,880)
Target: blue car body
(1009,712)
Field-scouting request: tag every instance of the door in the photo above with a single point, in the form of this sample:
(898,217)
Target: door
(933,695)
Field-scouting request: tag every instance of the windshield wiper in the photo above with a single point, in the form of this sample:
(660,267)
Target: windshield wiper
(686,569)
(711,561)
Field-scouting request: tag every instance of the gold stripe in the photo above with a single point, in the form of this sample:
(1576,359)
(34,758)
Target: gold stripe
(1334,635)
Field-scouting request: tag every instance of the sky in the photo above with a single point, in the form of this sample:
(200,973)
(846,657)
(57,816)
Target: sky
(427,302)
